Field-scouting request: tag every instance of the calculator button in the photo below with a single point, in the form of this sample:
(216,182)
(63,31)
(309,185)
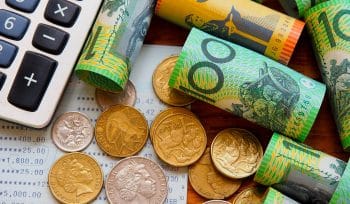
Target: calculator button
(2,80)
(62,12)
(7,53)
(23,5)
(50,39)
(31,81)
(12,25)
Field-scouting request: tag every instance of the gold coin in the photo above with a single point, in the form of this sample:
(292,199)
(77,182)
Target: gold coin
(165,93)
(208,182)
(121,131)
(179,138)
(236,153)
(165,113)
(75,178)
(252,195)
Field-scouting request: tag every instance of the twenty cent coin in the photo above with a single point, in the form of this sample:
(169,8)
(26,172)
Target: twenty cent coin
(121,131)
(216,202)
(136,180)
(252,195)
(72,131)
(75,178)
(107,99)
(236,153)
(165,93)
(208,182)
(179,138)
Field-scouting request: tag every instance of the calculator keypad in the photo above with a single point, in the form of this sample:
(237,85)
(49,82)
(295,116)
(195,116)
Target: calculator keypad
(7,53)
(2,80)
(50,39)
(31,81)
(23,5)
(62,12)
(12,25)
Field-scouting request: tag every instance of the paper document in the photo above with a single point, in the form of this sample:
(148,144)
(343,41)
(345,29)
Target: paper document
(26,155)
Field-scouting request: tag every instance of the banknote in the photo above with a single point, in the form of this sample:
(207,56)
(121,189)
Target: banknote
(247,84)
(298,171)
(328,24)
(114,43)
(341,194)
(273,196)
(266,31)
(297,8)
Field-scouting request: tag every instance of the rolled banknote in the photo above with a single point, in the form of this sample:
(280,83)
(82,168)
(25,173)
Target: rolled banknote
(328,24)
(297,8)
(342,193)
(247,84)
(114,43)
(265,30)
(272,196)
(301,173)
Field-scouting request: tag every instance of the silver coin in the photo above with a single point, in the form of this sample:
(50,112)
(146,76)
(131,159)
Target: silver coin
(136,180)
(216,202)
(72,132)
(107,99)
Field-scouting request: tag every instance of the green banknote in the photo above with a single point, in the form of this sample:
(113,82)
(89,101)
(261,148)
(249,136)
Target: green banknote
(328,24)
(297,8)
(342,193)
(247,84)
(114,43)
(273,196)
(299,172)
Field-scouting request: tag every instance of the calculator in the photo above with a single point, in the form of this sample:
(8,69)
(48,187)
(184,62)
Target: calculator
(40,42)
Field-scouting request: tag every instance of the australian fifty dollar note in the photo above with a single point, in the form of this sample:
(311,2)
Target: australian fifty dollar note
(244,22)
(247,84)
(328,24)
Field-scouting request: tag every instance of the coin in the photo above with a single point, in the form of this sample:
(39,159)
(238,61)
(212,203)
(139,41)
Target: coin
(252,195)
(107,99)
(165,93)
(236,153)
(165,113)
(121,131)
(179,139)
(136,180)
(72,131)
(216,202)
(208,182)
(75,178)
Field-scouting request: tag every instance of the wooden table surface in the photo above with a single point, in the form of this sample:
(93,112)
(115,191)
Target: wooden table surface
(323,136)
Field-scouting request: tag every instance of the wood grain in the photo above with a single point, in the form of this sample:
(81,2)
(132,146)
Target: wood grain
(323,135)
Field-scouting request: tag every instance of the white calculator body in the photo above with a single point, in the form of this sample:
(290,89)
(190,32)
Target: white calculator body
(40,42)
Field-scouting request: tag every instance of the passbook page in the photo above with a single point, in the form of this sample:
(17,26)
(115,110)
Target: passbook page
(26,155)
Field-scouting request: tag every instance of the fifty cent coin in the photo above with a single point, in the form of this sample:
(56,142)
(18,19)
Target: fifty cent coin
(75,178)
(136,180)
(107,99)
(208,182)
(236,153)
(72,132)
(160,81)
(121,131)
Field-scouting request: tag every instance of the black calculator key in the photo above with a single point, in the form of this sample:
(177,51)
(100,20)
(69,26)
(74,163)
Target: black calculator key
(50,39)
(7,53)
(62,12)
(12,25)
(2,80)
(31,81)
(23,5)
